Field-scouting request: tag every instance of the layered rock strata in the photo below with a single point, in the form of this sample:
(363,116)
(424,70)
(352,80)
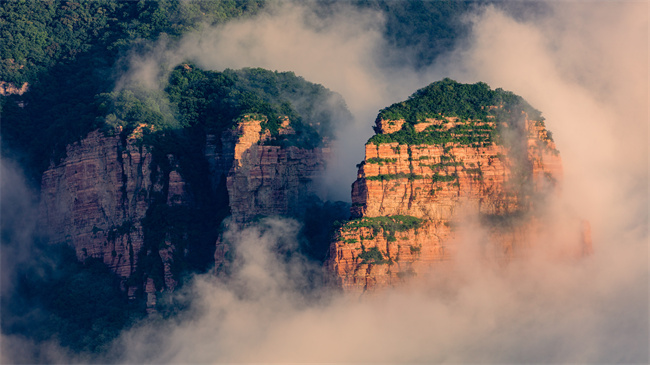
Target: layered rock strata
(97,197)
(430,180)
(266,180)
(112,197)
(499,175)
(270,180)
(367,255)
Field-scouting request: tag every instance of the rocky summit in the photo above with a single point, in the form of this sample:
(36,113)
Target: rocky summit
(150,201)
(450,152)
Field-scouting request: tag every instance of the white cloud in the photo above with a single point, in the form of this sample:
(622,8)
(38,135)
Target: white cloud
(585,65)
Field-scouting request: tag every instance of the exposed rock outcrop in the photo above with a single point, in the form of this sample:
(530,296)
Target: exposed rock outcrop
(270,180)
(90,200)
(97,197)
(429,181)
(266,180)
(367,255)
(8,88)
(420,179)
(115,199)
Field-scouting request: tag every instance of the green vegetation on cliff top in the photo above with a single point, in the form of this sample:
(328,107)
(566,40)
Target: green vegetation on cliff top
(463,133)
(452,99)
(479,109)
(214,101)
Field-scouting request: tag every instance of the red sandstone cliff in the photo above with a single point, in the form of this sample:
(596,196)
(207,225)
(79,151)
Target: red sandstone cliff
(429,181)
(269,180)
(266,180)
(435,185)
(96,198)
(99,197)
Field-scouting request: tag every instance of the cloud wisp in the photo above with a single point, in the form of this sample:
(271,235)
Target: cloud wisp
(585,65)
(584,76)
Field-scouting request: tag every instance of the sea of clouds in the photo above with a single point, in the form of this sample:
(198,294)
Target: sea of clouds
(583,64)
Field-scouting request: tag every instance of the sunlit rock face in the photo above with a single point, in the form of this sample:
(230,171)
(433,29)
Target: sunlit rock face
(266,180)
(495,165)
(429,181)
(113,197)
(269,180)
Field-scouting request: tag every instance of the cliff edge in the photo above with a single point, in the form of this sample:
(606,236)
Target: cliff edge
(451,152)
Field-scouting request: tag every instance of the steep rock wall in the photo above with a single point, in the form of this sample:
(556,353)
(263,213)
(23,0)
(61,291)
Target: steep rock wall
(501,184)
(266,180)
(403,254)
(114,198)
(269,180)
(97,197)
(430,181)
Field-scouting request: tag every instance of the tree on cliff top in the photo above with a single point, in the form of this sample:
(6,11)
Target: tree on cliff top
(453,99)
(214,100)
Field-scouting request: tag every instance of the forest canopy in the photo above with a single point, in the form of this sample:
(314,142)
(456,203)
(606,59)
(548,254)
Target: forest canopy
(453,99)
(482,113)
(37,35)
(213,101)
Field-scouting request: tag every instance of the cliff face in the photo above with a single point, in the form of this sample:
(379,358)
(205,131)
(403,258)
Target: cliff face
(366,255)
(266,180)
(431,181)
(269,180)
(410,197)
(117,199)
(97,197)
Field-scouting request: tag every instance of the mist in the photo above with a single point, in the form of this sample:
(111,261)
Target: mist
(344,52)
(583,64)
(19,241)
(531,311)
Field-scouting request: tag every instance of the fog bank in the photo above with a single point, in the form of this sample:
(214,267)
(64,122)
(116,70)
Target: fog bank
(583,64)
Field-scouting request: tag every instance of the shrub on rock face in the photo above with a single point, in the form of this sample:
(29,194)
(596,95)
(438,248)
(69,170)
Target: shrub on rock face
(372,256)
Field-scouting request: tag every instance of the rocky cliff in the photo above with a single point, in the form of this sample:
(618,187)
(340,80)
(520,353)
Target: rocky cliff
(139,208)
(270,180)
(266,180)
(98,197)
(421,177)
(432,180)
(152,203)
